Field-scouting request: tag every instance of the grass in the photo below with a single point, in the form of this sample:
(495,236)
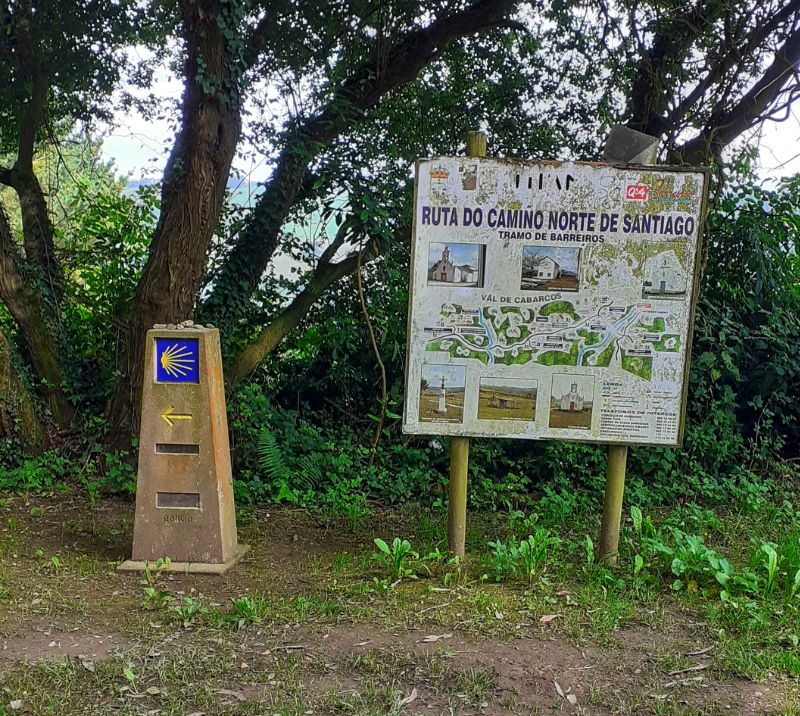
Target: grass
(313,622)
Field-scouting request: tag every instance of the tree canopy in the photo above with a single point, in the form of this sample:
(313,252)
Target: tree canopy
(339,98)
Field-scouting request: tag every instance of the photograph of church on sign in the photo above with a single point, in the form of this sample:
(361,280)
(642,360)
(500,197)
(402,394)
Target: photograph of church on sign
(664,276)
(548,268)
(571,401)
(507,399)
(456,265)
(441,393)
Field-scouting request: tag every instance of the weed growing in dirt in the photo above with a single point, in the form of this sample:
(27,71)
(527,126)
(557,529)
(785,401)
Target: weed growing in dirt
(189,610)
(154,596)
(245,610)
(528,558)
(395,557)
(771,576)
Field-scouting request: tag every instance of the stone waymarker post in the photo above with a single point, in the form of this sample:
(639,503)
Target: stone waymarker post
(184,494)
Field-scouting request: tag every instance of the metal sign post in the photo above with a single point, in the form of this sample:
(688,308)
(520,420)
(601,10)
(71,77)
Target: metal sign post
(184,493)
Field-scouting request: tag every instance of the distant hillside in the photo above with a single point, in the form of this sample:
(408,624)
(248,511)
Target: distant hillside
(243,192)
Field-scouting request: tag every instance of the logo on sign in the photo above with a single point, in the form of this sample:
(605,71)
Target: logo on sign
(636,192)
(177,360)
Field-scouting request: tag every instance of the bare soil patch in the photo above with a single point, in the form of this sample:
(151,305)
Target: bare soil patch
(330,639)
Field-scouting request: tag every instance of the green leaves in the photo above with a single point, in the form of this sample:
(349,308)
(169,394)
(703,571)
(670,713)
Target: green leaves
(766,586)
(529,557)
(396,557)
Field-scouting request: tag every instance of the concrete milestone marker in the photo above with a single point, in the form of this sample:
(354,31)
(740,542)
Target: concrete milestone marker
(184,493)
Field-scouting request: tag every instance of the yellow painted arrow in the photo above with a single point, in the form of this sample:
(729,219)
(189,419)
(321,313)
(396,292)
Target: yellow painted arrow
(170,417)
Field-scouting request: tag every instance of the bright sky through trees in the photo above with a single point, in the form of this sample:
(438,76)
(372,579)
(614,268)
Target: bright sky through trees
(139,146)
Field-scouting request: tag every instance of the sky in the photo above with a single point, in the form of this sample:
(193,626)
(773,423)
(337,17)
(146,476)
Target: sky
(563,382)
(454,375)
(139,147)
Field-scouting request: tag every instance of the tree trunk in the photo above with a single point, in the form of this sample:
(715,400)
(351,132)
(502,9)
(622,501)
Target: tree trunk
(191,199)
(18,419)
(24,300)
(38,232)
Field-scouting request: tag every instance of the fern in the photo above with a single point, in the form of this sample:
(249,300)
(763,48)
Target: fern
(306,476)
(309,475)
(270,458)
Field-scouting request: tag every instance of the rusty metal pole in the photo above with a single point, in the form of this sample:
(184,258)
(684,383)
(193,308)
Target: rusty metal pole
(459,447)
(630,147)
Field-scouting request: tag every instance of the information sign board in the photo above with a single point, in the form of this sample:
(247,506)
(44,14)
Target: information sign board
(552,300)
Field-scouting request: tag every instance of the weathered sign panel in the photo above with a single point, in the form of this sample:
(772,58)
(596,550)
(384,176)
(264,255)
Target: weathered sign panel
(552,300)
(184,492)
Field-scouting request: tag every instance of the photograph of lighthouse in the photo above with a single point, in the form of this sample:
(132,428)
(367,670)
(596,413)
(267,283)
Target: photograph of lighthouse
(571,401)
(441,393)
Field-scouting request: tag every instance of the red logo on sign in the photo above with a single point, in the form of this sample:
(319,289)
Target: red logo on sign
(636,192)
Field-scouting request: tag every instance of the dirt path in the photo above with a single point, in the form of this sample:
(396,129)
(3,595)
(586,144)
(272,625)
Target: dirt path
(324,634)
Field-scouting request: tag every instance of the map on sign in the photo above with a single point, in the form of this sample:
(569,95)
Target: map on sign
(551,300)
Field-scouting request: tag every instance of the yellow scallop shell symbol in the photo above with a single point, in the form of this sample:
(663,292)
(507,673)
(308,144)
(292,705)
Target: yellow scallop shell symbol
(177,360)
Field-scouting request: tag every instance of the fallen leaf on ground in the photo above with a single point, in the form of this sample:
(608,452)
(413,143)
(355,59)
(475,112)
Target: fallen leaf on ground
(559,690)
(572,699)
(547,618)
(408,699)
(87,664)
(435,637)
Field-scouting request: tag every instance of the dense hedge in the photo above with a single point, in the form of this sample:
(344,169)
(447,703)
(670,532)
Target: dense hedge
(743,410)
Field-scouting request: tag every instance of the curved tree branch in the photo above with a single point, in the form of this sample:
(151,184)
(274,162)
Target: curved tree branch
(755,40)
(750,109)
(258,240)
(37,227)
(651,88)
(325,275)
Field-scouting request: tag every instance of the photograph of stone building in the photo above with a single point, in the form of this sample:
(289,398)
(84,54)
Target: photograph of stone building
(456,264)
(571,401)
(507,399)
(550,268)
(664,277)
